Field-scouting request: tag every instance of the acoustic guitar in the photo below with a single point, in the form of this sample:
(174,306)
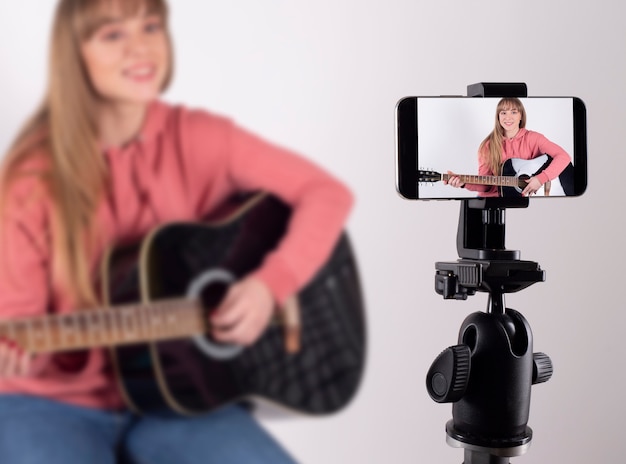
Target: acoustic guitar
(157,295)
(515,173)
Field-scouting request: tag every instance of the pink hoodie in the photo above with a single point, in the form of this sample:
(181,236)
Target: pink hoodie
(183,164)
(525,145)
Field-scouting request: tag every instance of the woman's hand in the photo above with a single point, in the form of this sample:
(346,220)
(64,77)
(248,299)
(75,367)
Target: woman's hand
(244,313)
(14,362)
(532,185)
(454,180)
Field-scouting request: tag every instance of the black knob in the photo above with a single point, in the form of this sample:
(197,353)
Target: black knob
(448,375)
(542,368)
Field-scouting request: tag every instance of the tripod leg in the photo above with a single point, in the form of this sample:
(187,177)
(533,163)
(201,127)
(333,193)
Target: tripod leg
(476,457)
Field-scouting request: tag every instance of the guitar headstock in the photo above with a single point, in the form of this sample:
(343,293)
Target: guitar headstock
(428,176)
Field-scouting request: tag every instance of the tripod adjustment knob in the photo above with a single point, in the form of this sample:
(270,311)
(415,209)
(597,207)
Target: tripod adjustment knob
(542,368)
(448,375)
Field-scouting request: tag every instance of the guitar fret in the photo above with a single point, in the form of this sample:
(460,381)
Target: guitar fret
(120,324)
(37,335)
(66,330)
(98,328)
(146,321)
(108,326)
(171,318)
(114,319)
(157,319)
(47,333)
(141,322)
(89,334)
(126,320)
(155,322)
(166,320)
(161,320)
(189,319)
(81,329)
(52,326)
(105,327)
(508,181)
(95,333)
(138,323)
(11,331)
(55,323)
(28,333)
(18,332)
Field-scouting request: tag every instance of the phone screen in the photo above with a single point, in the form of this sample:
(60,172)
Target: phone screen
(440,137)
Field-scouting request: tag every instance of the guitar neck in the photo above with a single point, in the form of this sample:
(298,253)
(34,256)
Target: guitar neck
(503,181)
(162,320)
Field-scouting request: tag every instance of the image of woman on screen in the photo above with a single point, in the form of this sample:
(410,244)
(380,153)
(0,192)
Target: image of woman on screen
(510,151)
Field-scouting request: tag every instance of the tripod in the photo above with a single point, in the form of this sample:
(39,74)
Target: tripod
(488,375)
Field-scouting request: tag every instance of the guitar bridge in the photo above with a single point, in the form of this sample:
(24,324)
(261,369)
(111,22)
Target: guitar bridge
(290,314)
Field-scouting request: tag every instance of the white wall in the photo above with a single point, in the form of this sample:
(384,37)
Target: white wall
(323,77)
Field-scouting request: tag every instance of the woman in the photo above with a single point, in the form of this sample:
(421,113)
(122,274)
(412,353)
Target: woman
(510,139)
(102,162)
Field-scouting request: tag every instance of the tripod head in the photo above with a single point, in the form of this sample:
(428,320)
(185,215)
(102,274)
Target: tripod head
(488,375)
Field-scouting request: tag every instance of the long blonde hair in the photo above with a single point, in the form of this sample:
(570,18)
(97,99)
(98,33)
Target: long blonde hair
(65,132)
(490,149)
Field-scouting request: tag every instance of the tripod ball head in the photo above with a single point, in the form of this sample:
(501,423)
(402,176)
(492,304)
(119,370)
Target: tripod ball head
(488,378)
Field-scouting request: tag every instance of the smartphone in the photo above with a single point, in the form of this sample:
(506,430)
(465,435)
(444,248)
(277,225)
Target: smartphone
(437,135)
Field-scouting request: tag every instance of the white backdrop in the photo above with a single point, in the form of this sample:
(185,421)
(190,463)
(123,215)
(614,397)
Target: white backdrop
(323,78)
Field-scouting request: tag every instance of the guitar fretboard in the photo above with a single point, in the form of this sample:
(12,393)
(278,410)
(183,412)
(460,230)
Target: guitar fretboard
(504,181)
(162,320)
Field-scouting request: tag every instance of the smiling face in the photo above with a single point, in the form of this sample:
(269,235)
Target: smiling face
(127,57)
(510,119)
(510,116)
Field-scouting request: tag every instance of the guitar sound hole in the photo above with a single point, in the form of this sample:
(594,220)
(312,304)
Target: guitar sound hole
(212,295)
(210,288)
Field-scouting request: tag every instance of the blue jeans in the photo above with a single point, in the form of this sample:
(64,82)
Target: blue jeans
(41,431)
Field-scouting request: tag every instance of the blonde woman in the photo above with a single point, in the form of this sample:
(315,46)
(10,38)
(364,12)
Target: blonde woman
(104,161)
(510,139)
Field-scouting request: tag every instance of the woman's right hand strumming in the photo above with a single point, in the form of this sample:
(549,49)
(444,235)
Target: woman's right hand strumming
(14,362)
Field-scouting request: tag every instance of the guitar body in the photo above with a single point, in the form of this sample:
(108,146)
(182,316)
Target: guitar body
(525,169)
(180,375)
